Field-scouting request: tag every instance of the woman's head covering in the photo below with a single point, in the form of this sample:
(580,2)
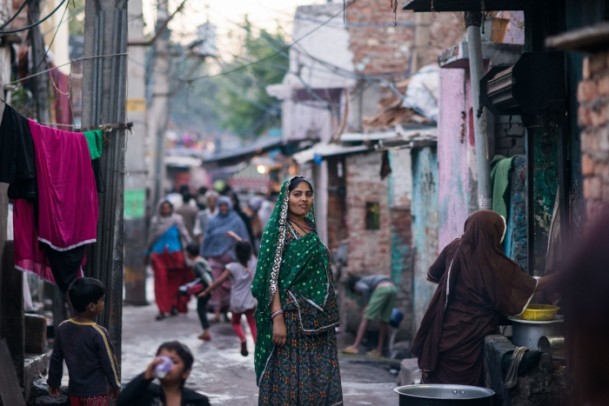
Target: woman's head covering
(274,235)
(161,203)
(485,227)
(160,224)
(480,253)
(225,200)
(216,242)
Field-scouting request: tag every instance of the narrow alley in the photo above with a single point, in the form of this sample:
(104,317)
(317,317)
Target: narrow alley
(223,374)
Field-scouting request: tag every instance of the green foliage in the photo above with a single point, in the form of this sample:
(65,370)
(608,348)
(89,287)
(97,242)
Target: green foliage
(22,100)
(195,104)
(76,12)
(247,108)
(235,99)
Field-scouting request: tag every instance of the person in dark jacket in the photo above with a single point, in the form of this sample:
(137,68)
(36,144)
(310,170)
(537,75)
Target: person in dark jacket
(86,348)
(141,391)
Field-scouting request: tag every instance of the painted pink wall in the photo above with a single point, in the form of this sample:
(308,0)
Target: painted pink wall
(515,29)
(456,158)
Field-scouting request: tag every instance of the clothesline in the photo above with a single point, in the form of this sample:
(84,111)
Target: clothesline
(104,127)
(65,64)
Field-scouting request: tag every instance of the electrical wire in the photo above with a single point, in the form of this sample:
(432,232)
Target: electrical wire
(10,20)
(9,84)
(293,43)
(357,24)
(37,23)
(46,54)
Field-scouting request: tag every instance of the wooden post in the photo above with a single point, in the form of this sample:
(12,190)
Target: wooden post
(104,97)
(11,303)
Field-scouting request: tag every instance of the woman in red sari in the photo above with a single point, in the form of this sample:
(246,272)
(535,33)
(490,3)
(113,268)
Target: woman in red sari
(477,284)
(168,237)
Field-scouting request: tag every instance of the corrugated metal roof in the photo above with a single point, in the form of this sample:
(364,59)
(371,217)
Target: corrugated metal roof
(324,149)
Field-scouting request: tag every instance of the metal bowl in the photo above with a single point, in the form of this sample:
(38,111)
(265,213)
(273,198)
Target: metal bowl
(444,394)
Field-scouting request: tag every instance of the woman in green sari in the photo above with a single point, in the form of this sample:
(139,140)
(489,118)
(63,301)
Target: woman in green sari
(296,359)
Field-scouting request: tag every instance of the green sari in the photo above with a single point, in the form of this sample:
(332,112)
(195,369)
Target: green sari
(299,268)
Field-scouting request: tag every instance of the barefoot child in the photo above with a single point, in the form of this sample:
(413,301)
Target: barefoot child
(241,299)
(86,349)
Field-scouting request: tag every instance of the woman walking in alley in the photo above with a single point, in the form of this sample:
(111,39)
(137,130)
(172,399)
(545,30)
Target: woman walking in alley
(476,284)
(168,237)
(296,359)
(218,248)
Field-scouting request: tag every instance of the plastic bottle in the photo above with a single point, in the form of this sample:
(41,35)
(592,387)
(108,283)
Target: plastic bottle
(162,369)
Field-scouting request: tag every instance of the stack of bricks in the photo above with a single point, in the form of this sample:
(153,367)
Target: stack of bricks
(593,115)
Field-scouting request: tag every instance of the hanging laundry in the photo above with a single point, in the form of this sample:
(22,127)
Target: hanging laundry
(94,142)
(17,165)
(58,267)
(51,232)
(29,256)
(67,197)
(500,179)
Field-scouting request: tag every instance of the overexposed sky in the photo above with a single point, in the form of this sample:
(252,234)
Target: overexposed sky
(228,16)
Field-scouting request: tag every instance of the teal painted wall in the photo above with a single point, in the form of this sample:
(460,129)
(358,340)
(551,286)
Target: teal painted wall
(424,226)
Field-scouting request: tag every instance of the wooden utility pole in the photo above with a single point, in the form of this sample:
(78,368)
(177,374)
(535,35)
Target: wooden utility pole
(41,86)
(104,96)
(137,173)
(159,107)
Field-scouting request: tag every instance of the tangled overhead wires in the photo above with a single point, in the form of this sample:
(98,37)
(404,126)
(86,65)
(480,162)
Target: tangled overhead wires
(34,24)
(10,20)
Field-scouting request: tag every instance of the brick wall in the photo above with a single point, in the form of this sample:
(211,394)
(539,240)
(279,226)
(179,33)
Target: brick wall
(369,250)
(509,136)
(384,251)
(593,115)
(379,47)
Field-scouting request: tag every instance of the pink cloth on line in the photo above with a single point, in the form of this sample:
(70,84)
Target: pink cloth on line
(28,255)
(67,196)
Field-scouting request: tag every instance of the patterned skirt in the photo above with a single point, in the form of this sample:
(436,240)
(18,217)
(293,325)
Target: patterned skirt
(305,370)
(89,401)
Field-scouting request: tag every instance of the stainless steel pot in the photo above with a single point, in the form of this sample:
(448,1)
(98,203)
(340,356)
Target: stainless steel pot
(443,395)
(526,333)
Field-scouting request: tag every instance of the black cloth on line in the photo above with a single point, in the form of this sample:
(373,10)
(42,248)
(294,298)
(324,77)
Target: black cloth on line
(65,265)
(99,181)
(17,162)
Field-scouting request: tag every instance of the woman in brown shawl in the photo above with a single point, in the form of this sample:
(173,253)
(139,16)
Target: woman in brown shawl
(476,284)
(168,238)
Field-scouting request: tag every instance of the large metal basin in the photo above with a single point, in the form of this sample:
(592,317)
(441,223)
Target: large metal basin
(443,395)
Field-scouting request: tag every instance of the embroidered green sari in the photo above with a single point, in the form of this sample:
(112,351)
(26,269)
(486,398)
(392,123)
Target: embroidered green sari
(298,267)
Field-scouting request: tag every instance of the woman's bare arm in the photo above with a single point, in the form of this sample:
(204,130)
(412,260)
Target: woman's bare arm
(279,329)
